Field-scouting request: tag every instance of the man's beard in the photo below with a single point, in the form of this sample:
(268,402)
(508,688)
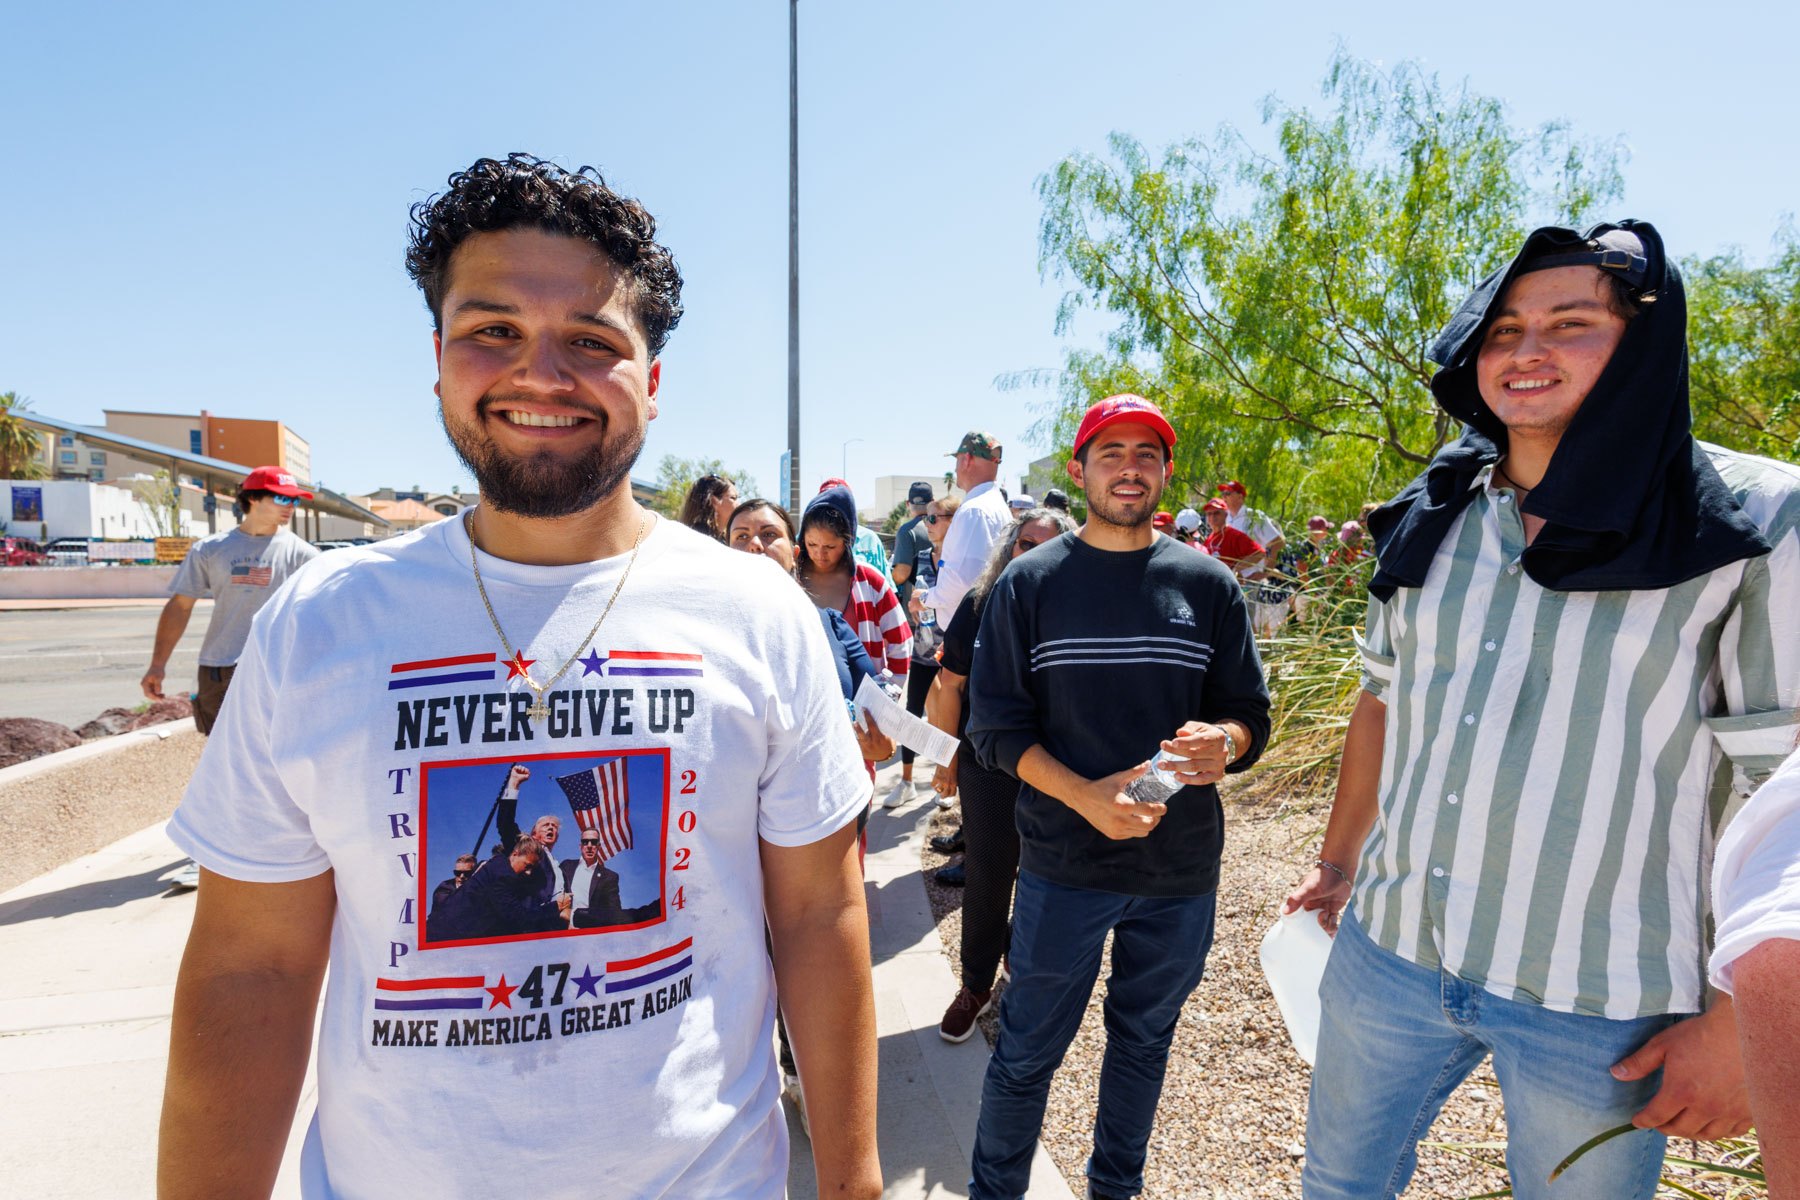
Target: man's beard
(1112,513)
(543,484)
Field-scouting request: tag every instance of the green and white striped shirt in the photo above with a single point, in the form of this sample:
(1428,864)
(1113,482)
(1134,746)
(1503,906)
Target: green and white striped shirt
(1556,764)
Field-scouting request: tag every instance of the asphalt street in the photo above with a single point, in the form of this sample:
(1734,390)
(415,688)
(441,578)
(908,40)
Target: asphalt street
(70,665)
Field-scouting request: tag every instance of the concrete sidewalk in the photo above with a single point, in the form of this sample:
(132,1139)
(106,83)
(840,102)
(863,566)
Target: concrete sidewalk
(93,949)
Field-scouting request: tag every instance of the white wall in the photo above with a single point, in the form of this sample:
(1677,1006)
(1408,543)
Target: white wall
(84,583)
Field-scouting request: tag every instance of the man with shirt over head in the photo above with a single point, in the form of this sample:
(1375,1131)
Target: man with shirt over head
(1096,650)
(1580,640)
(1254,523)
(977,525)
(551,301)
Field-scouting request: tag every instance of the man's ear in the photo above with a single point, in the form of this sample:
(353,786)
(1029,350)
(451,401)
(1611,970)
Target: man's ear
(437,356)
(1075,473)
(653,384)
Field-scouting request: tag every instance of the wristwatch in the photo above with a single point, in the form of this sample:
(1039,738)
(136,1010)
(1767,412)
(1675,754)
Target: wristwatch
(1230,747)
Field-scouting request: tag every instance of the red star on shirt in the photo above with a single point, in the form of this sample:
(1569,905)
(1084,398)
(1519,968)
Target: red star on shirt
(518,665)
(502,993)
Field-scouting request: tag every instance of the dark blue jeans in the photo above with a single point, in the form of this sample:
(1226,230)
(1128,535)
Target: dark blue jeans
(1159,951)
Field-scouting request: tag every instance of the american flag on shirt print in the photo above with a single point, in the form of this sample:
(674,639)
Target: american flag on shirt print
(252,574)
(601,801)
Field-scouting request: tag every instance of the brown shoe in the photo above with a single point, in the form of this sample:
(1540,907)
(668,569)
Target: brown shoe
(959,1019)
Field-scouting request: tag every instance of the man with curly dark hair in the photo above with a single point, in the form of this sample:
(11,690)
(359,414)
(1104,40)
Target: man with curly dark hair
(318,831)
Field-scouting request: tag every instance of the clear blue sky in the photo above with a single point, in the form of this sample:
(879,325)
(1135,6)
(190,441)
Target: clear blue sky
(204,205)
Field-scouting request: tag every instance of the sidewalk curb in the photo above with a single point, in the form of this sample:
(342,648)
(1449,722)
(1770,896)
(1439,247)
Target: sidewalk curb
(94,749)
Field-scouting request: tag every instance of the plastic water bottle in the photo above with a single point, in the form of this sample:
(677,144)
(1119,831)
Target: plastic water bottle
(1156,785)
(1293,960)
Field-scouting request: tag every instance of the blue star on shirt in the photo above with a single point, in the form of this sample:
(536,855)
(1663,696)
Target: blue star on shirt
(593,664)
(585,982)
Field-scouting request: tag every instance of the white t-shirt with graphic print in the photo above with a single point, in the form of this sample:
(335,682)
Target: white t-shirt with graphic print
(371,728)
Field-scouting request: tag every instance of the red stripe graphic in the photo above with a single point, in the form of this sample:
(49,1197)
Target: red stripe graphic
(656,655)
(419,985)
(632,964)
(423,663)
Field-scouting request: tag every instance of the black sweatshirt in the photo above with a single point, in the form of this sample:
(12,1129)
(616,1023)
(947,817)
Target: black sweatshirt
(1099,656)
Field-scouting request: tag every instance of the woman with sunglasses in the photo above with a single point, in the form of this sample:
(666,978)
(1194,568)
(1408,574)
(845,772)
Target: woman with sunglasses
(991,857)
(925,635)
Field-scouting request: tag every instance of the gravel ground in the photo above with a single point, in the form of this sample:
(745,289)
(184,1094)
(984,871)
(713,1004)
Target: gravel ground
(61,814)
(1234,1103)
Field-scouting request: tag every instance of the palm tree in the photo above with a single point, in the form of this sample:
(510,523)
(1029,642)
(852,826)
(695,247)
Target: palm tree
(19,442)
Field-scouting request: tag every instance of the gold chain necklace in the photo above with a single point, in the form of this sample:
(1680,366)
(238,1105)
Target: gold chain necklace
(519,663)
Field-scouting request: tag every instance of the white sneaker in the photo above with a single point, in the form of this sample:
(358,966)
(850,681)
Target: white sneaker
(187,878)
(904,793)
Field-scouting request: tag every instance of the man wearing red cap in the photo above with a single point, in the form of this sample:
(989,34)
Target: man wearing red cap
(1097,650)
(240,569)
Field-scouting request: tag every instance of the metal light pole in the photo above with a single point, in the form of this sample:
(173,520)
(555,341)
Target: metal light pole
(793,498)
(844,467)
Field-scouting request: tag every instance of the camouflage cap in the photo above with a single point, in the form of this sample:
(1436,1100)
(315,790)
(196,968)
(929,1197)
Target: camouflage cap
(981,445)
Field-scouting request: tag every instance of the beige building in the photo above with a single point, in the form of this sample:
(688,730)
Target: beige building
(254,443)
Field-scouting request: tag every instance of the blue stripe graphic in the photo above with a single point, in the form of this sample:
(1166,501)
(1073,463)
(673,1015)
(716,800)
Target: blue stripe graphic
(625,985)
(426,680)
(427,1005)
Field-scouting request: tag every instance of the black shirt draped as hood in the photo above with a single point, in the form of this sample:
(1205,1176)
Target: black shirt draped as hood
(1630,501)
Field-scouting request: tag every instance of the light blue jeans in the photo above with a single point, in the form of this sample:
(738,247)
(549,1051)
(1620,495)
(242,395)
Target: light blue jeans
(1396,1038)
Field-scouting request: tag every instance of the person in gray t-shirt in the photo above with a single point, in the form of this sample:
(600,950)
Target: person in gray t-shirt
(240,569)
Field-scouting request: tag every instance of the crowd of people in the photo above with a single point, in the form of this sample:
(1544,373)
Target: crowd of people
(1582,618)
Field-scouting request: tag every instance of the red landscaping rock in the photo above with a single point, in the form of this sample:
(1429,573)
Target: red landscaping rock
(25,738)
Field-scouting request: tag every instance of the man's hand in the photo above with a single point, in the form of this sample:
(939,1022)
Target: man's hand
(564,902)
(943,780)
(1702,1094)
(519,774)
(915,605)
(1321,891)
(876,746)
(1104,805)
(1204,746)
(152,682)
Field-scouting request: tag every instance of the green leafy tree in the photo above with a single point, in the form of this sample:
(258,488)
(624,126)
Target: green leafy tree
(675,478)
(1744,350)
(1278,305)
(19,442)
(896,517)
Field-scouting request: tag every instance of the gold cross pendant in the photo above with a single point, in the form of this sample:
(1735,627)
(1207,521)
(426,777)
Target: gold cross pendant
(539,709)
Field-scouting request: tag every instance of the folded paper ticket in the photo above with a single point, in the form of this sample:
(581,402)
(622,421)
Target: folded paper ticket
(910,731)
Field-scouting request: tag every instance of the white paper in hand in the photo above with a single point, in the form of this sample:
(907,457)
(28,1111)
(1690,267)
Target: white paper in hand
(1293,961)
(902,726)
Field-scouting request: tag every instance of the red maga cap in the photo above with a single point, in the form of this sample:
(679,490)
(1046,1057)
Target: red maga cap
(1162,520)
(1215,506)
(274,479)
(1233,486)
(1118,410)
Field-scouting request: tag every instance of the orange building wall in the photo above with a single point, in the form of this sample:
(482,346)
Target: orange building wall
(253,443)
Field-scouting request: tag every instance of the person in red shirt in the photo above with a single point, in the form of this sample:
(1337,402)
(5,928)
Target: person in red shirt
(1235,548)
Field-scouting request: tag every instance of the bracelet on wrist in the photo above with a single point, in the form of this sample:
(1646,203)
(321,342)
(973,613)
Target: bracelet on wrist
(1339,871)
